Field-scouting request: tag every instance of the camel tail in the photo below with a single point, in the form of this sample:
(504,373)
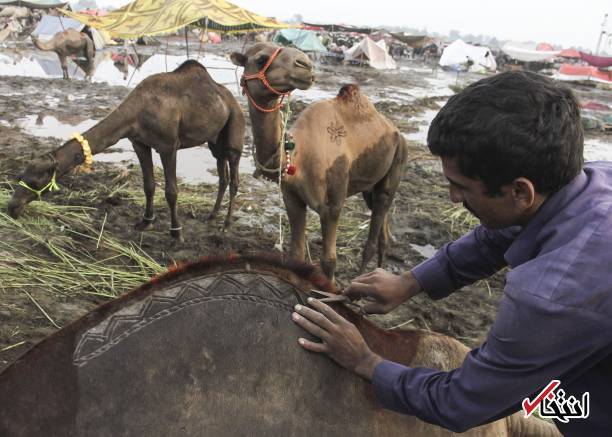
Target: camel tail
(518,426)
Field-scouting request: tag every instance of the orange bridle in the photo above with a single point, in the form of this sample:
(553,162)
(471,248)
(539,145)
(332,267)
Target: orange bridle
(261,75)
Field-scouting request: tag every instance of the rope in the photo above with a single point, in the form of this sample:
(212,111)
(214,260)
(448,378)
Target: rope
(51,186)
(281,146)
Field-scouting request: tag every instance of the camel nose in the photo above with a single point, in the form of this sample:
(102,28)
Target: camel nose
(303,63)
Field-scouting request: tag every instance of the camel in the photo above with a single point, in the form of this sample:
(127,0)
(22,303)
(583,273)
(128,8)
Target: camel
(166,112)
(343,146)
(67,43)
(210,349)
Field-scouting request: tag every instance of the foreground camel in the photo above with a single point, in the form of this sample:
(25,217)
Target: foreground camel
(343,146)
(68,43)
(210,349)
(166,112)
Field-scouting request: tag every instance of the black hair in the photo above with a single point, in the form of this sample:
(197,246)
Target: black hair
(514,124)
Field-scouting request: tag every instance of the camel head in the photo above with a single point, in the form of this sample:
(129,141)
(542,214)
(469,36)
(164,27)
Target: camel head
(36,175)
(290,69)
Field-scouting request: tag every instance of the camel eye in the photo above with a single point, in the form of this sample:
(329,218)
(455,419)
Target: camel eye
(261,61)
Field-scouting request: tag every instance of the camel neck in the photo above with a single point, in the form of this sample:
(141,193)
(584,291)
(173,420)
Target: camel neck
(267,131)
(100,137)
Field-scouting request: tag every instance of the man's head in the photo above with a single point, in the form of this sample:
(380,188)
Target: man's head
(506,143)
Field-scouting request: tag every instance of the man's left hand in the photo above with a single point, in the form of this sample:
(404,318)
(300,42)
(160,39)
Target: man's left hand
(340,339)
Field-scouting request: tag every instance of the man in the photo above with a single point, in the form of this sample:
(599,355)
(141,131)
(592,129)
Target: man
(511,148)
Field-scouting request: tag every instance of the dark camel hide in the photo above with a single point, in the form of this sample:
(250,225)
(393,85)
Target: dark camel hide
(209,349)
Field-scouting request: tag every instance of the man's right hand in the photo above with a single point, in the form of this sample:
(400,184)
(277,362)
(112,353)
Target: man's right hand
(384,290)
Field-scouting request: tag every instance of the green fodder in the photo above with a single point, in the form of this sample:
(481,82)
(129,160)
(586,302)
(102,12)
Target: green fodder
(460,220)
(59,248)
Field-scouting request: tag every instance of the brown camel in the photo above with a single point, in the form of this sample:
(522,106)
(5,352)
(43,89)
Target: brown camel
(210,349)
(68,43)
(166,112)
(343,146)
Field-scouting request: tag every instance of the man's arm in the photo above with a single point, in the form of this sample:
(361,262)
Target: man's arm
(474,256)
(531,342)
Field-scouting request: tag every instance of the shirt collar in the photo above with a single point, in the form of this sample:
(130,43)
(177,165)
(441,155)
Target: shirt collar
(523,247)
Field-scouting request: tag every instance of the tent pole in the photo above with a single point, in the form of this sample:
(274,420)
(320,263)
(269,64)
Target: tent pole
(166,55)
(186,42)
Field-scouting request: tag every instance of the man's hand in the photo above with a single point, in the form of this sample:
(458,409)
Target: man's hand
(340,339)
(385,290)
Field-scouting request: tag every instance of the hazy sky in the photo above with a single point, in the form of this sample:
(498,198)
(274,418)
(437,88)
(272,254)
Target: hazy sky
(568,23)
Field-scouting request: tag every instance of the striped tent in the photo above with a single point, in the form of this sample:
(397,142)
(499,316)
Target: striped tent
(155,17)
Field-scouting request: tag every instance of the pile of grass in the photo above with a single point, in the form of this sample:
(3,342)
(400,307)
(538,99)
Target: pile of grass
(60,249)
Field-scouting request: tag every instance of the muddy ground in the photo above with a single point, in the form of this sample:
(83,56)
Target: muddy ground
(419,216)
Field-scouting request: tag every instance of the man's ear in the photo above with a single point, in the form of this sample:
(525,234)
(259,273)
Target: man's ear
(523,192)
(238,59)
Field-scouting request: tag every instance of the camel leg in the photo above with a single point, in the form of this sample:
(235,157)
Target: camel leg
(234,160)
(148,178)
(223,171)
(383,241)
(384,235)
(169,164)
(381,201)
(296,211)
(64,63)
(329,217)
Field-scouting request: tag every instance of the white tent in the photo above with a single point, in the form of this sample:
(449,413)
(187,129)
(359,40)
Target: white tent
(375,54)
(457,54)
(49,25)
(527,52)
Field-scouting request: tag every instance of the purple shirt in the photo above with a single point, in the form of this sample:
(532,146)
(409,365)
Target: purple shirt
(553,322)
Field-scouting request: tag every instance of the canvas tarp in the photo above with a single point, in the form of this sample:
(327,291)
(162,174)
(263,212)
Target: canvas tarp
(457,54)
(49,25)
(305,40)
(414,41)
(155,17)
(374,54)
(34,4)
(596,61)
(528,52)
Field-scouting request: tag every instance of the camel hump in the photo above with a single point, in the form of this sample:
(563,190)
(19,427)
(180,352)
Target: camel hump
(354,104)
(189,65)
(349,93)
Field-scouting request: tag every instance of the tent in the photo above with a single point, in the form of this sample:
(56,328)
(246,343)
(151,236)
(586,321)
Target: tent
(155,17)
(49,25)
(414,41)
(305,40)
(456,56)
(570,53)
(569,72)
(34,4)
(375,54)
(528,52)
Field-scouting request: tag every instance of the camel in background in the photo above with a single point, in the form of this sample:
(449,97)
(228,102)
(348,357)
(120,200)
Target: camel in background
(68,43)
(166,112)
(343,146)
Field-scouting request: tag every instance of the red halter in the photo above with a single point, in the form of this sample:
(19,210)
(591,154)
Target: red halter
(262,77)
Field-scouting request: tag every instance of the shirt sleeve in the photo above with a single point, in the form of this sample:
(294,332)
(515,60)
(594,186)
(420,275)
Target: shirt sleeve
(530,344)
(474,256)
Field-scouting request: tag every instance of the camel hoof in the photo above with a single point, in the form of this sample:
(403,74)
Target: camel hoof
(177,235)
(144,225)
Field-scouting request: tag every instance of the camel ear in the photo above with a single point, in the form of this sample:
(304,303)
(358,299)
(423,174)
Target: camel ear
(238,59)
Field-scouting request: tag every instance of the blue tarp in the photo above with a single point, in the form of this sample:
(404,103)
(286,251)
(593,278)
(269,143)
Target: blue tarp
(305,40)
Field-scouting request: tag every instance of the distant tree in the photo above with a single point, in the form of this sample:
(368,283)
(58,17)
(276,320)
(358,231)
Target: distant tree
(297,18)
(86,4)
(454,34)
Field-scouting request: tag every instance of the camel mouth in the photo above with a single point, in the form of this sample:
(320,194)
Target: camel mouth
(302,83)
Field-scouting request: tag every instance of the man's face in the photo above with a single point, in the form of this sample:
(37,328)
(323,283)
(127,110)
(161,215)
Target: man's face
(494,212)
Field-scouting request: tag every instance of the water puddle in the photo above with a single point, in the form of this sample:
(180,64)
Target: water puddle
(597,150)
(427,251)
(111,68)
(194,165)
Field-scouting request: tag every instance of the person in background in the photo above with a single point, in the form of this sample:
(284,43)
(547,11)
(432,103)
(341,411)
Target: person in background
(511,147)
